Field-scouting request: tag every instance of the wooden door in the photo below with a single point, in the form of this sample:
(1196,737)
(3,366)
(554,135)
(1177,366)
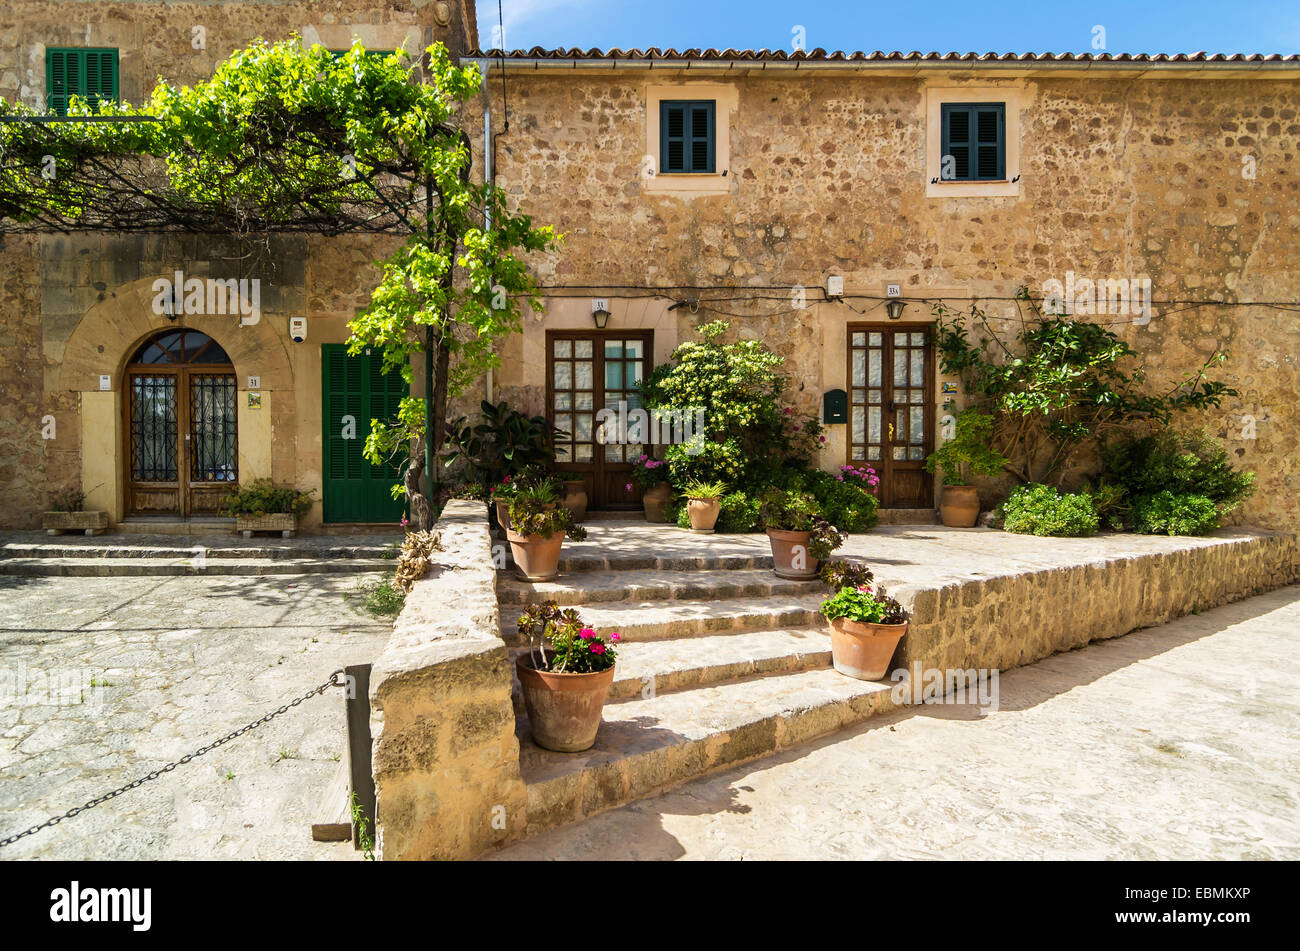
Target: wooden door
(891,408)
(587,372)
(182,454)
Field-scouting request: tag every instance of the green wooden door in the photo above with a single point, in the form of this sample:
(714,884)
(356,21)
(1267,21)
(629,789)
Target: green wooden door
(354,390)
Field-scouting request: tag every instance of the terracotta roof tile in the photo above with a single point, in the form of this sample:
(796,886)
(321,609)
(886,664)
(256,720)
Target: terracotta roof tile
(652,54)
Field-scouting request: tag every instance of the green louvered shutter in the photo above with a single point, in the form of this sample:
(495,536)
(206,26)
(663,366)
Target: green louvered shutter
(974,141)
(354,391)
(687,136)
(91,74)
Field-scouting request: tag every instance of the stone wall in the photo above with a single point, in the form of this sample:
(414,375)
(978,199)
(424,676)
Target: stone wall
(1121,176)
(446,759)
(23,457)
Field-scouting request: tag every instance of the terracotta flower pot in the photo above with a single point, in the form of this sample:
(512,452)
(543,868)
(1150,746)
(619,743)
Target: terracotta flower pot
(862,650)
(655,500)
(703,514)
(790,558)
(563,709)
(537,558)
(575,498)
(503,515)
(960,506)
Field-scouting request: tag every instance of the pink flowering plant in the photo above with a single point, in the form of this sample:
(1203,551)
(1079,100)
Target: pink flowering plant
(865,475)
(563,643)
(648,472)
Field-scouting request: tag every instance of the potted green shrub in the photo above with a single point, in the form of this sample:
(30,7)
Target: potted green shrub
(703,505)
(866,626)
(651,474)
(798,533)
(564,677)
(966,454)
(264,507)
(534,480)
(538,527)
(67,514)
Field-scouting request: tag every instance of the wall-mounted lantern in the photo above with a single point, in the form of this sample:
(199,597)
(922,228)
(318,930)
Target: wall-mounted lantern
(894,308)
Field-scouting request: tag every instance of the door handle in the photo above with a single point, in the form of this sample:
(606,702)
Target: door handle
(891,433)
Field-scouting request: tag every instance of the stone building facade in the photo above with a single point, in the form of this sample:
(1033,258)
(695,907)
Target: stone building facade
(75,310)
(1178,170)
(1182,171)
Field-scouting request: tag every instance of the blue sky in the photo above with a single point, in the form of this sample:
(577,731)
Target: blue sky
(1134,26)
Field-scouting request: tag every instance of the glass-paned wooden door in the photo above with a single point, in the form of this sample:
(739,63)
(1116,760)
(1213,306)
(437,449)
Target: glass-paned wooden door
(588,372)
(891,409)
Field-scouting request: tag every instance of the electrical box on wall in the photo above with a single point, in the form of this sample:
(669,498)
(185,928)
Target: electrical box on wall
(835,286)
(298,329)
(835,407)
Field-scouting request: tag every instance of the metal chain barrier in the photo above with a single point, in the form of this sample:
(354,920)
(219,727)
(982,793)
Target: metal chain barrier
(332,682)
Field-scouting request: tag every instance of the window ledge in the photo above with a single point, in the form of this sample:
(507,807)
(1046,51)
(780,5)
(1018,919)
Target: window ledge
(996,188)
(694,183)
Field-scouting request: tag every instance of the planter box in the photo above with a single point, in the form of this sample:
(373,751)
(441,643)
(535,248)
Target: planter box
(92,523)
(284,523)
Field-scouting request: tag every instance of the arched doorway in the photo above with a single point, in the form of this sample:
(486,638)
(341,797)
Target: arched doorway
(182,447)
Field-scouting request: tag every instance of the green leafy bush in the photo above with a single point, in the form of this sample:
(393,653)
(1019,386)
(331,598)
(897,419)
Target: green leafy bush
(506,443)
(846,499)
(1175,513)
(863,605)
(1183,463)
(967,453)
(263,498)
(1042,510)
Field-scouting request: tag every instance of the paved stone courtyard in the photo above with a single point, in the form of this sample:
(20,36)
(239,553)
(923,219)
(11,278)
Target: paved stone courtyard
(1177,742)
(181,661)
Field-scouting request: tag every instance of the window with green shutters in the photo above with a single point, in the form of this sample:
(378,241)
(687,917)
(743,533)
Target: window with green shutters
(355,390)
(88,73)
(974,142)
(687,136)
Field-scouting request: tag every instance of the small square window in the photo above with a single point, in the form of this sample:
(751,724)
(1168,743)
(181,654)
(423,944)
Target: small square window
(89,74)
(974,142)
(687,136)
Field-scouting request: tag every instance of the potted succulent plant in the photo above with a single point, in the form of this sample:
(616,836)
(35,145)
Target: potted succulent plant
(537,531)
(703,503)
(965,454)
(651,475)
(866,626)
(533,479)
(67,514)
(800,537)
(262,507)
(564,677)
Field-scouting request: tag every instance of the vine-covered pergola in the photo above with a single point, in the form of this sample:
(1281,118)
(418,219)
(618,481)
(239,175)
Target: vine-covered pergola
(285,139)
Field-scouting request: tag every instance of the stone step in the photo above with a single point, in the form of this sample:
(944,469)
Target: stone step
(648,668)
(639,560)
(104,548)
(645,745)
(908,516)
(189,565)
(593,587)
(663,620)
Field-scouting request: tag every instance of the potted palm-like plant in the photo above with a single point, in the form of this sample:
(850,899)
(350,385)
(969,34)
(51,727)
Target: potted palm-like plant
(703,503)
(798,533)
(866,626)
(537,531)
(966,454)
(564,677)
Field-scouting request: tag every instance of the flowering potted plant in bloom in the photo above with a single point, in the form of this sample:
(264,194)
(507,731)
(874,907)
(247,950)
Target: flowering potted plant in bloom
(537,531)
(866,625)
(533,479)
(651,475)
(564,677)
(703,504)
(800,537)
(863,474)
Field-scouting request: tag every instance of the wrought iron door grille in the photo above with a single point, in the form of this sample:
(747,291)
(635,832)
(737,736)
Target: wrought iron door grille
(213,448)
(153,428)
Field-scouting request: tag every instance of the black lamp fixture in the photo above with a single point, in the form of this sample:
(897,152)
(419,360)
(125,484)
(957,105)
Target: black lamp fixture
(894,307)
(601,316)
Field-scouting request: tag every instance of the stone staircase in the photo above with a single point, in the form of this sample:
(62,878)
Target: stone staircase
(721,662)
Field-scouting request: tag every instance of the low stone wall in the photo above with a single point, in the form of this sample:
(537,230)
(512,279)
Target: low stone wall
(1025,615)
(446,759)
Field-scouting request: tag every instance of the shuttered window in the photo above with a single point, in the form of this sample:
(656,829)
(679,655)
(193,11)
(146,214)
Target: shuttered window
(88,73)
(687,136)
(974,142)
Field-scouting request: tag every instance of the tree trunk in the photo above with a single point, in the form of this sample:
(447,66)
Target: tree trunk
(421,511)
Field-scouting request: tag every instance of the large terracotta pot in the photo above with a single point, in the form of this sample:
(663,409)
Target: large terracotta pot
(863,651)
(960,506)
(703,514)
(563,709)
(537,558)
(655,500)
(790,558)
(575,498)
(503,515)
